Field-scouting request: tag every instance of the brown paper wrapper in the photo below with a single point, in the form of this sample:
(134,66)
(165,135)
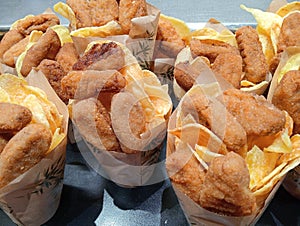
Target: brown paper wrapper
(140,40)
(33,198)
(195,214)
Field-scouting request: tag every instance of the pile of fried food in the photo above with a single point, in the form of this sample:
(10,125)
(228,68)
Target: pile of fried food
(30,127)
(119,101)
(227,148)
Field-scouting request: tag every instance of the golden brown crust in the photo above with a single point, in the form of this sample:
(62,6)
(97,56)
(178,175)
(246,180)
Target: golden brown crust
(46,48)
(185,75)
(67,56)
(225,189)
(287,97)
(129,9)
(101,57)
(229,66)
(24,150)
(10,38)
(255,64)
(13,117)
(85,84)
(94,12)
(257,116)
(94,124)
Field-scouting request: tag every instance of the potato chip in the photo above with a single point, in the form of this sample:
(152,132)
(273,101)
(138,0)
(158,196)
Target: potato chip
(4,97)
(66,11)
(260,164)
(63,34)
(292,64)
(282,143)
(205,154)
(180,26)
(109,29)
(288,8)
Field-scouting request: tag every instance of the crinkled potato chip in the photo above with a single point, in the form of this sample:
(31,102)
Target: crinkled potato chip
(63,34)
(66,11)
(109,29)
(281,144)
(205,154)
(260,164)
(288,8)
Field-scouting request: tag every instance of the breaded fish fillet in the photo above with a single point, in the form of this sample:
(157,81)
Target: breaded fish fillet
(229,66)
(101,57)
(54,74)
(94,124)
(13,117)
(129,9)
(257,116)
(255,63)
(225,189)
(67,56)
(24,150)
(287,97)
(213,115)
(94,12)
(46,48)
(89,83)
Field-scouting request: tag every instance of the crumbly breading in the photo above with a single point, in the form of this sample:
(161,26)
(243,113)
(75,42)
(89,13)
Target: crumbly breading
(13,117)
(10,38)
(225,189)
(67,56)
(24,150)
(287,97)
(255,63)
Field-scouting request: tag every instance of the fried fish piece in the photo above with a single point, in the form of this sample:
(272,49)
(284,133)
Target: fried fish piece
(101,57)
(287,97)
(40,22)
(4,138)
(229,66)
(91,13)
(255,63)
(67,56)
(257,116)
(46,48)
(89,83)
(12,53)
(10,38)
(213,115)
(225,189)
(24,150)
(13,117)
(211,48)
(289,32)
(94,124)
(136,119)
(169,41)
(54,74)
(129,9)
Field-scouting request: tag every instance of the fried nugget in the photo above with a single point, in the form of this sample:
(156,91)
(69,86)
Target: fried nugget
(257,116)
(129,9)
(213,115)
(169,41)
(229,66)
(136,119)
(185,172)
(46,48)
(9,57)
(39,22)
(289,32)
(67,56)
(101,57)
(94,124)
(10,38)
(24,150)
(225,189)
(255,63)
(4,138)
(13,117)
(287,97)
(94,12)
(54,74)
(211,48)
(84,84)
(185,75)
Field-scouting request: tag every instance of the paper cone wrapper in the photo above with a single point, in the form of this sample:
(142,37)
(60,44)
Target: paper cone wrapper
(140,40)
(33,197)
(126,170)
(197,215)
